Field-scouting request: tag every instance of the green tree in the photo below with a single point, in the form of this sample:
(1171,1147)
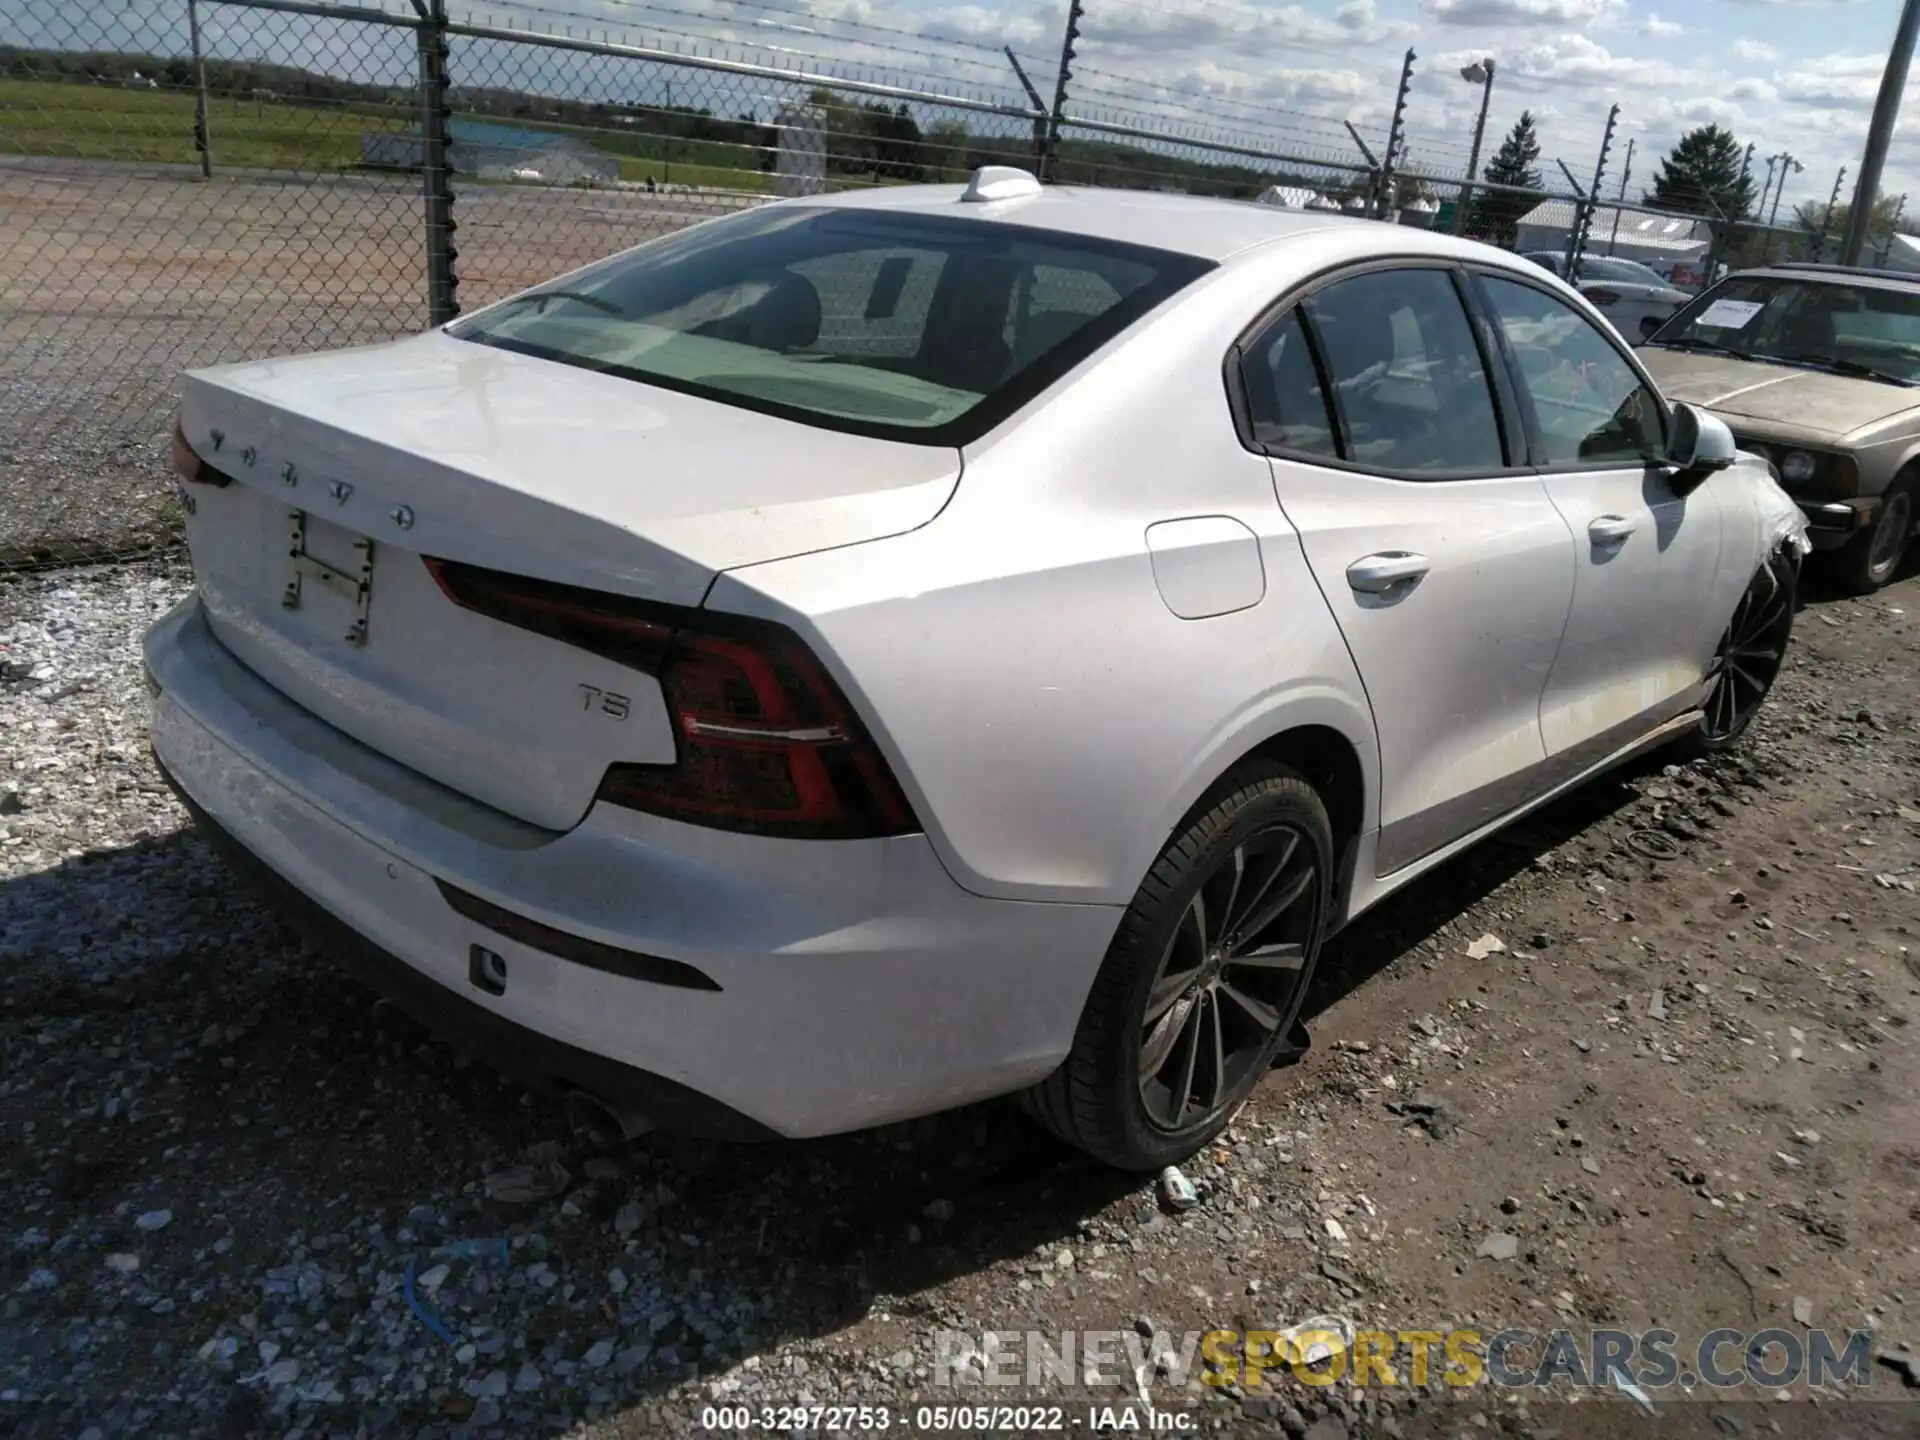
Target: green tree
(1701,176)
(1494,214)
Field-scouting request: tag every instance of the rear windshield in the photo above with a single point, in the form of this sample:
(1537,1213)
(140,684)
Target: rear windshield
(907,326)
(1602,267)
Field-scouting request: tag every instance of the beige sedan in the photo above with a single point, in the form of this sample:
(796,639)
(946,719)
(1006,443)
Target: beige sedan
(1818,368)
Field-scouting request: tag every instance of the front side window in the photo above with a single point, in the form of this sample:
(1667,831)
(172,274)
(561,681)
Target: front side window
(1590,405)
(909,326)
(1409,386)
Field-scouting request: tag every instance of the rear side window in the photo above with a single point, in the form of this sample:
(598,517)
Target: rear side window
(908,326)
(1285,400)
(1409,386)
(1590,406)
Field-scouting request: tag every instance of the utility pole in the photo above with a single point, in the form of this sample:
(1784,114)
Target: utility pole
(201,140)
(1626,174)
(1052,152)
(1886,112)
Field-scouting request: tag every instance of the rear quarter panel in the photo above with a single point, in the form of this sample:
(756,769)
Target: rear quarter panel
(1050,716)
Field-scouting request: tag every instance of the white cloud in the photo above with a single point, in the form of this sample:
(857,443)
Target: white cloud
(1756,51)
(1519,12)
(1663,29)
(1576,60)
(1841,81)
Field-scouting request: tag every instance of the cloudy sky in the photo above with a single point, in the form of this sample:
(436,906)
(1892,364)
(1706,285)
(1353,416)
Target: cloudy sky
(1794,76)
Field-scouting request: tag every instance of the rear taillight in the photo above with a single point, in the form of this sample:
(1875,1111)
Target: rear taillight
(767,742)
(188,465)
(1602,297)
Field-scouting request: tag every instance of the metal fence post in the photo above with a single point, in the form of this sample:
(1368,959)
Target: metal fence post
(436,173)
(1584,212)
(1051,154)
(1396,135)
(1039,110)
(202,140)
(1826,217)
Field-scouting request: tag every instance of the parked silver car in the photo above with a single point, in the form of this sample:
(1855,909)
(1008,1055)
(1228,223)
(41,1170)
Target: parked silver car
(1625,291)
(1818,368)
(883,650)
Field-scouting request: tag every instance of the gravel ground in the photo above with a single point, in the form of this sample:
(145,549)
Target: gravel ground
(1681,1092)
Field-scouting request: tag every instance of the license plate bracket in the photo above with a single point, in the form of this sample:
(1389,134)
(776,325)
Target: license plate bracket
(353,583)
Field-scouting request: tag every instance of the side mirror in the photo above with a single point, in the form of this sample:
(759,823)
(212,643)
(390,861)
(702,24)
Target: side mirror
(1698,444)
(1649,324)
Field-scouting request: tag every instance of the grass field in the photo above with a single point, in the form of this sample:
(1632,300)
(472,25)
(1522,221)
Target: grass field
(106,122)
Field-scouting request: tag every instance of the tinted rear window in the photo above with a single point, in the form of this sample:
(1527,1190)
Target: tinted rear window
(911,327)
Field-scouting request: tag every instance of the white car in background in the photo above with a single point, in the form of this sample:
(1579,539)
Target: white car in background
(1634,298)
(879,651)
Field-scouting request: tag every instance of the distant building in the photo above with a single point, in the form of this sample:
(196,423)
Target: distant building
(1295,197)
(1658,241)
(490,151)
(1900,252)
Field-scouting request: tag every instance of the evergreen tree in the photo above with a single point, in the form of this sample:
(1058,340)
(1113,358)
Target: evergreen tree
(1496,212)
(1701,176)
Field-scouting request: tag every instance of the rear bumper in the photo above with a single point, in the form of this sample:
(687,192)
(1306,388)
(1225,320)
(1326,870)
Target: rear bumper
(845,984)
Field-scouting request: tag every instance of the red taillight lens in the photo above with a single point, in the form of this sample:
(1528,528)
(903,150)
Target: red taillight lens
(1602,297)
(632,632)
(188,465)
(768,743)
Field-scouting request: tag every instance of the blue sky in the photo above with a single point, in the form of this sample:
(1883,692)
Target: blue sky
(1794,76)
(1797,76)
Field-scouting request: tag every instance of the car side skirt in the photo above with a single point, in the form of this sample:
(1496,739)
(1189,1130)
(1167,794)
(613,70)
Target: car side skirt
(1575,766)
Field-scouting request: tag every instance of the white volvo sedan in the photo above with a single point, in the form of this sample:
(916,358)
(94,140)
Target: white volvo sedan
(876,652)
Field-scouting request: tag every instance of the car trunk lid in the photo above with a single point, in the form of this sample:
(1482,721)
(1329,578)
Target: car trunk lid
(348,468)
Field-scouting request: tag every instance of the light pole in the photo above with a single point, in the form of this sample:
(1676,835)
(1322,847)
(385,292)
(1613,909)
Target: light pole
(1479,73)
(1886,110)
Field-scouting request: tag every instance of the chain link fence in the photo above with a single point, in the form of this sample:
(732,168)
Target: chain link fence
(184,182)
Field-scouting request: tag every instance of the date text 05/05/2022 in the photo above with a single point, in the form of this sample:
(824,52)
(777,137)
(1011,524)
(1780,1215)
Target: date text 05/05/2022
(945,1418)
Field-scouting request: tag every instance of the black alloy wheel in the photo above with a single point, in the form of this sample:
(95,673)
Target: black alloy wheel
(1228,978)
(1750,653)
(1204,979)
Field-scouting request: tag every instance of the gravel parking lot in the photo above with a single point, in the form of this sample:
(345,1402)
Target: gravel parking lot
(1678,1091)
(114,278)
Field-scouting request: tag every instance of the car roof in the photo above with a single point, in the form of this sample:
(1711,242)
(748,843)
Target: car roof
(1854,275)
(1208,229)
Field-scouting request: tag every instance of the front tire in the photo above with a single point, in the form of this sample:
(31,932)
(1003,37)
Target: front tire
(1869,560)
(1749,655)
(1205,976)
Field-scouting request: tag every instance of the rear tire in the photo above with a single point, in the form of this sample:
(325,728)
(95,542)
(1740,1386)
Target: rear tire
(1205,976)
(1868,561)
